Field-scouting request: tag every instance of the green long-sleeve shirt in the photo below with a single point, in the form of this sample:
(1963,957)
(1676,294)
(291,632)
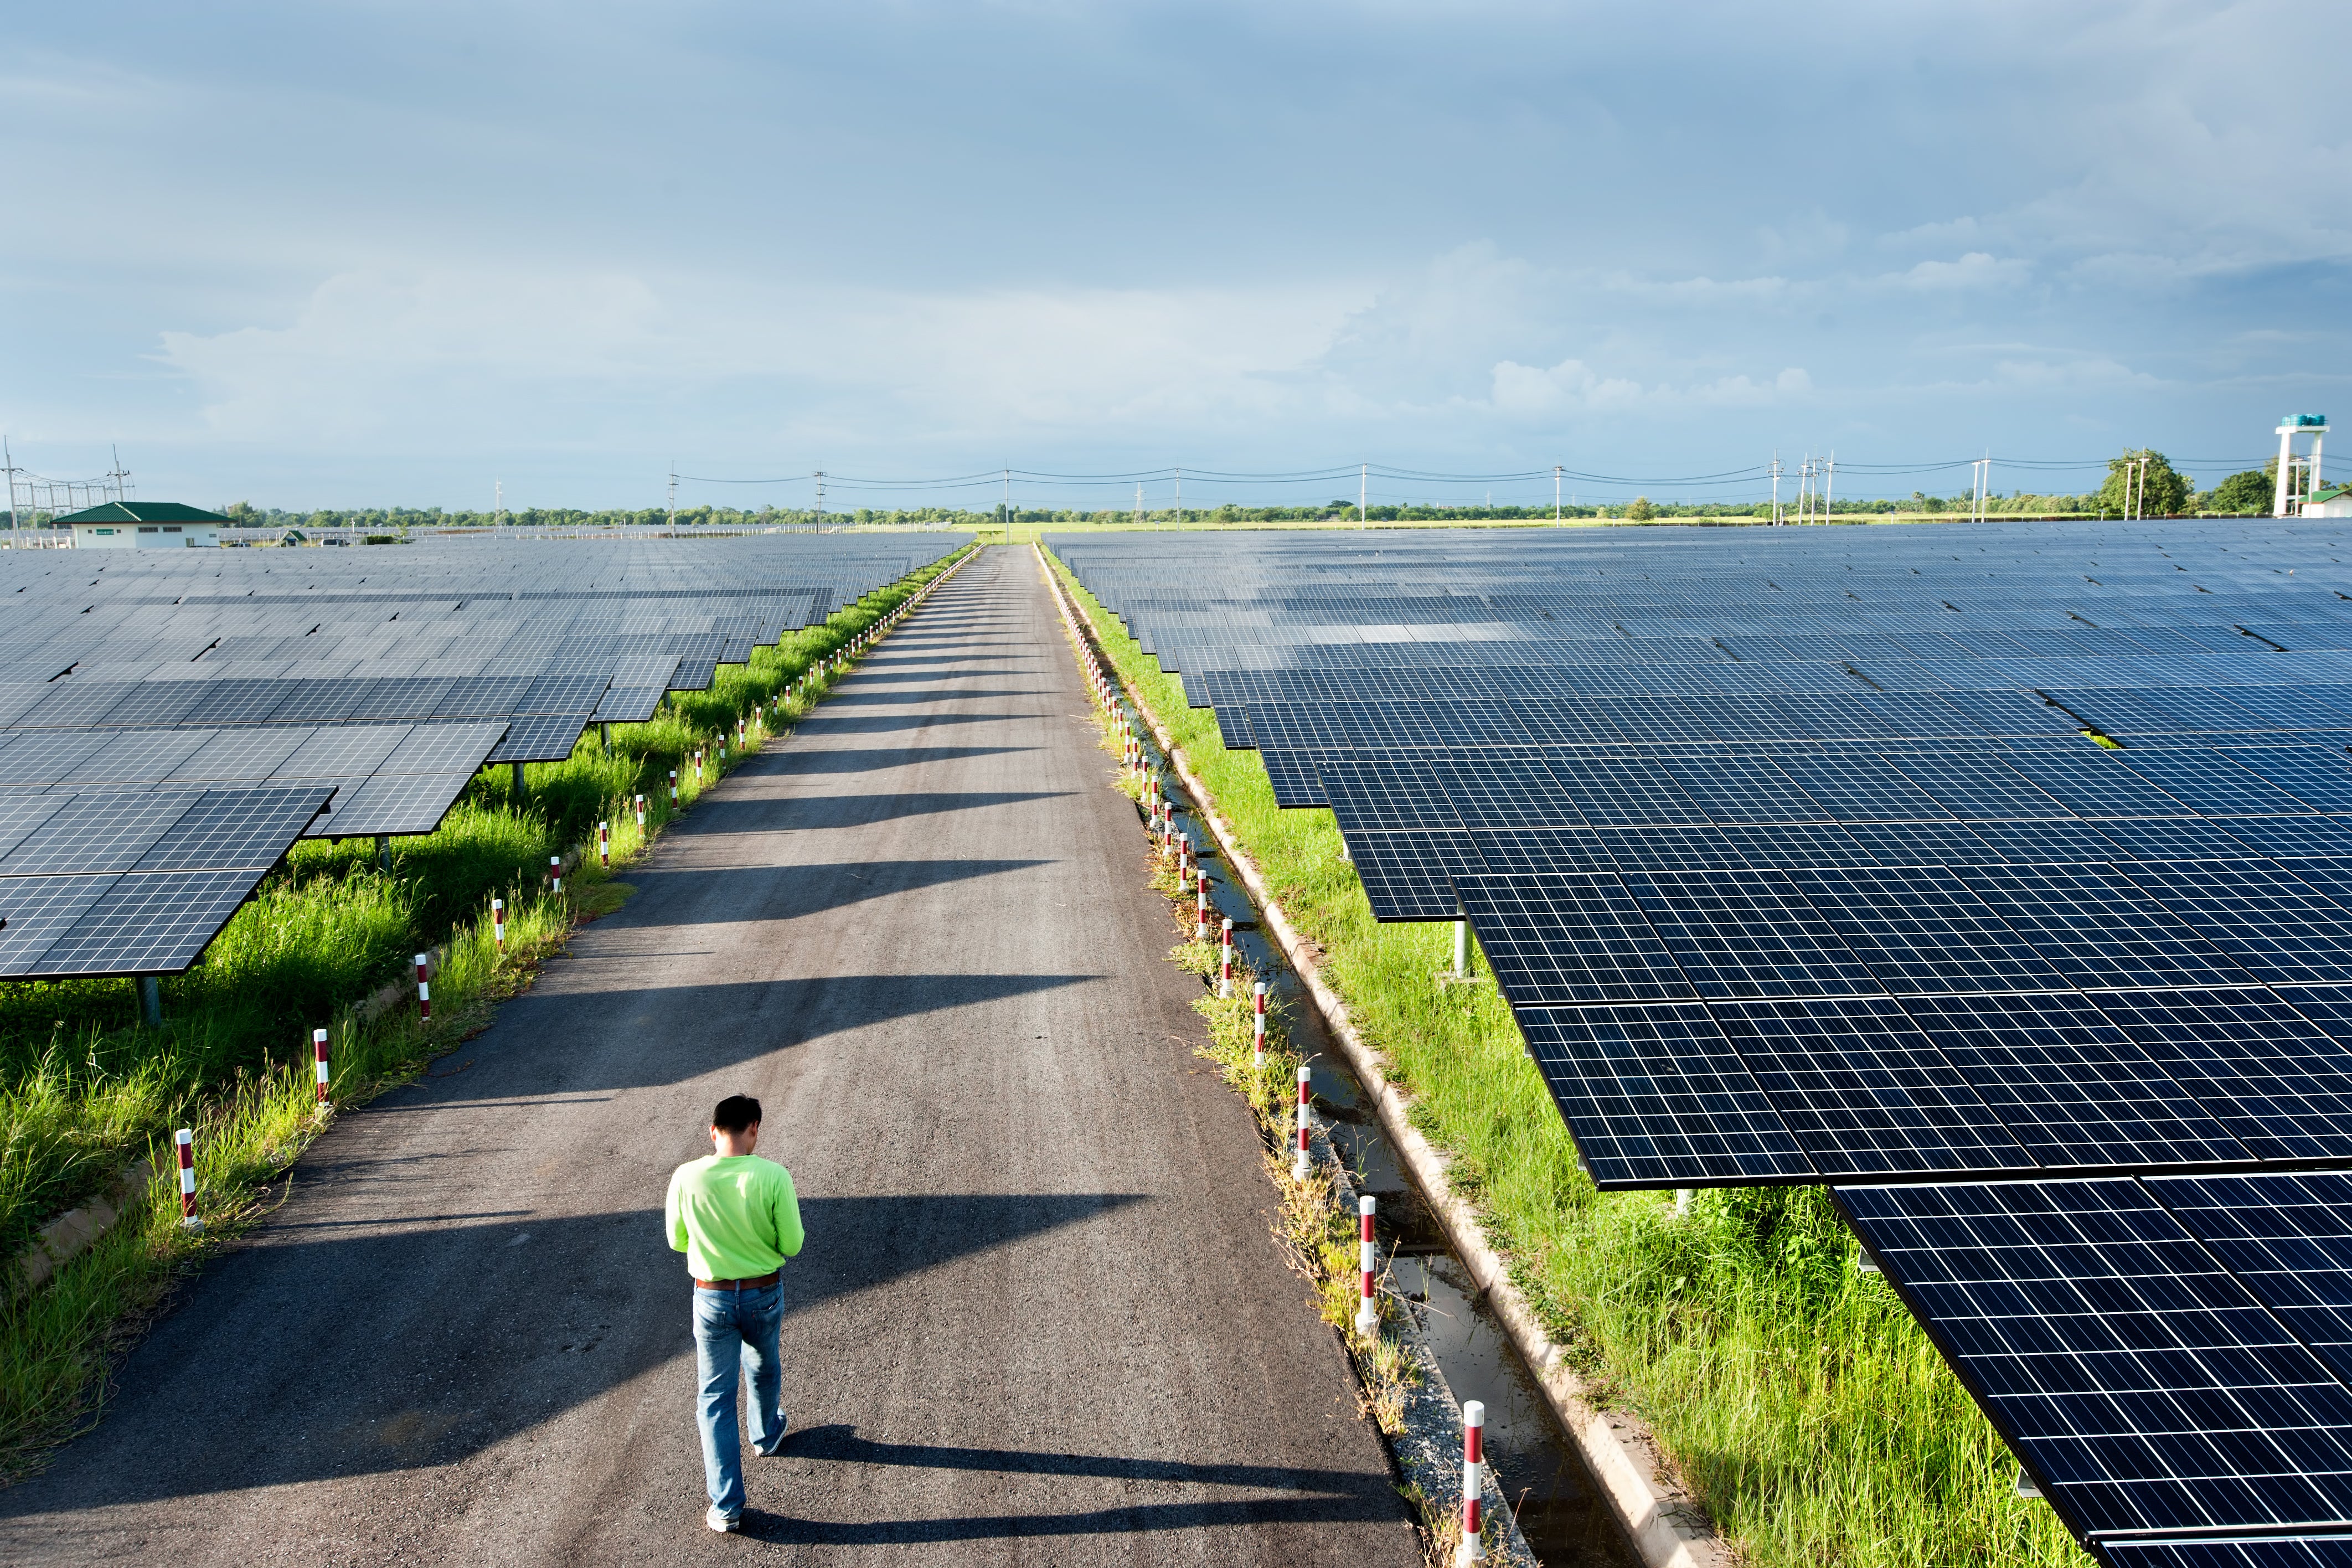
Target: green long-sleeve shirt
(735,1216)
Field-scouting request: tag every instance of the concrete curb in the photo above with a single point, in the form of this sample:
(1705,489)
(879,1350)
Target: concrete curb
(1663,1523)
(77,1230)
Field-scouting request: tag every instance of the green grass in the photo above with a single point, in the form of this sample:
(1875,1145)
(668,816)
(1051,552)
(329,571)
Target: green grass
(85,1089)
(1798,1399)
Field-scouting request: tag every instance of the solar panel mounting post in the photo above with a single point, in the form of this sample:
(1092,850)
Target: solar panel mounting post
(384,850)
(151,1001)
(517,781)
(1461,941)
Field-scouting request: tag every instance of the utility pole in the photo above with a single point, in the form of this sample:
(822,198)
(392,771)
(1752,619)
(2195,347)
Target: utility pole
(117,475)
(1829,480)
(1180,495)
(1776,489)
(1138,506)
(499,503)
(819,523)
(673,497)
(9,471)
(1363,493)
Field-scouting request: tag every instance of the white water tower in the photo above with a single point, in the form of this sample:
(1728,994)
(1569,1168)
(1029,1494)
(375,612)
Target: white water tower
(2290,464)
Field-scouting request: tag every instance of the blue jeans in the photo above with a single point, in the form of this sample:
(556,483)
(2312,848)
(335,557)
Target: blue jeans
(734,1332)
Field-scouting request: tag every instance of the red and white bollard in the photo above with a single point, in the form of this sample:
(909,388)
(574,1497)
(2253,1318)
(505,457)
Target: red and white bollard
(1367,1307)
(424,988)
(698,765)
(641,814)
(673,786)
(318,1049)
(555,874)
(186,1139)
(1257,1026)
(1303,1160)
(604,844)
(1226,962)
(498,925)
(1474,1471)
(1201,915)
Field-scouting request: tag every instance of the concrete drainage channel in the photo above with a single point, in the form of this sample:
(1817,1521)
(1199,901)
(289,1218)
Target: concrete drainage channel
(1554,1511)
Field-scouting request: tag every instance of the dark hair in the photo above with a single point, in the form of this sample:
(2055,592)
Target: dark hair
(736,1113)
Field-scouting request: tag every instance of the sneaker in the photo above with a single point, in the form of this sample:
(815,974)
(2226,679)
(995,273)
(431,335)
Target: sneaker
(725,1523)
(783,1430)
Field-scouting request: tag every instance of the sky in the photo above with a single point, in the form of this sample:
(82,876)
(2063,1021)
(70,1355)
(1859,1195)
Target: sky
(398,254)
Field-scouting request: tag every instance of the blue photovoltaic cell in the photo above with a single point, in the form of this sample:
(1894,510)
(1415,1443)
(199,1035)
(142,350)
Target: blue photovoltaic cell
(2069,1085)
(2288,1238)
(1748,933)
(1743,789)
(1979,786)
(1655,1095)
(2091,783)
(2279,928)
(1865,1091)
(1923,930)
(2098,929)
(1862,789)
(2212,783)
(2239,1552)
(1562,940)
(2145,1389)
(2280,1085)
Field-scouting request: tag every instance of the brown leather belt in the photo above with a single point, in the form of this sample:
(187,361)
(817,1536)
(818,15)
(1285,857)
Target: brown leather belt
(760,1284)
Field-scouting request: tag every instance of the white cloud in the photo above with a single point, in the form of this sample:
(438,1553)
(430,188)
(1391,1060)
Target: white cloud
(1572,386)
(471,356)
(1977,269)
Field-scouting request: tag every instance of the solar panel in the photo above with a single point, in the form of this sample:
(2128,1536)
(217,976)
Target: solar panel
(1410,876)
(149,923)
(1737,789)
(101,831)
(1656,1096)
(2281,1086)
(2239,1552)
(1923,930)
(2287,1238)
(1748,933)
(1568,938)
(2098,930)
(2146,1388)
(2212,783)
(2276,925)
(1865,1091)
(234,828)
(2069,1085)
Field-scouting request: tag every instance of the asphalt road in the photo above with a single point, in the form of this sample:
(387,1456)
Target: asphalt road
(1038,1319)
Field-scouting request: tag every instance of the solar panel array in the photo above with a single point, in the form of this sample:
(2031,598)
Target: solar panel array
(2000,874)
(173,720)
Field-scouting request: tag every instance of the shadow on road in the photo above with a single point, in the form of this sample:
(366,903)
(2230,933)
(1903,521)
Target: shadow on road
(756,814)
(807,760)
(848,725)
(1311,1497)
(735,1022)
(734,893)
(497,1328)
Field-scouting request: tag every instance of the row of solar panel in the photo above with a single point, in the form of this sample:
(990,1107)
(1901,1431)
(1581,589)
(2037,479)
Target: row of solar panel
(2167,1356)
(1736,1027)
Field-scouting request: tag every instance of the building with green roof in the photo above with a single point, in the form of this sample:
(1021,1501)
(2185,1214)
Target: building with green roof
(142,525)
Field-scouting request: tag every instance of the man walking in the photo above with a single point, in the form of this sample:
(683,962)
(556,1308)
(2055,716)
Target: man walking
(737,1218)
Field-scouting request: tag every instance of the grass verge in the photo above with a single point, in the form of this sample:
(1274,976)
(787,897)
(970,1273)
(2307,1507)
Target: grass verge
(1798,1399)
(86,1090)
